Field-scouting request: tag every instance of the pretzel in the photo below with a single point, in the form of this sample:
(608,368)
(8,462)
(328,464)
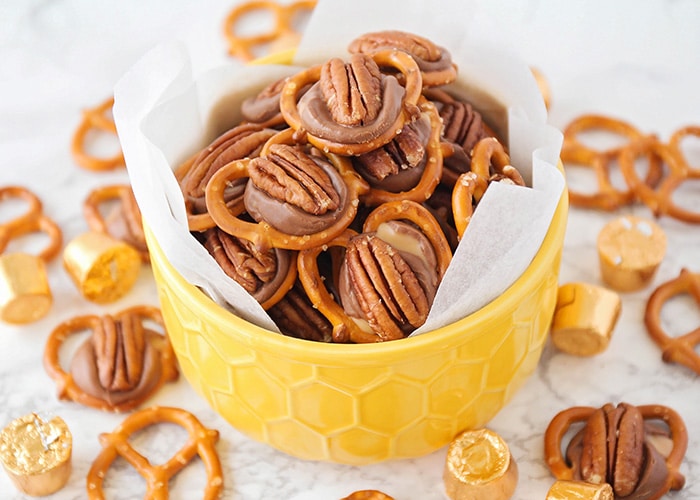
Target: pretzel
(573,151)
(124,223)
(345,329)
(489,156)
(201,441)
(674,144)
(659,200)
(34,207)
(37,223)
(542,85)
(156,350)
(679,349)
(432,171)
(463,201)
(282,33)
(95,119)
(398,60)
(368,495)
(262,233)
(562,422)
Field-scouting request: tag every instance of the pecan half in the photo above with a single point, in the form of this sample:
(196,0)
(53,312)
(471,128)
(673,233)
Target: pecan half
(243,141)
(387,289)
(352,91)
(296,316)
(119,353)
(289,174)
(259,272)
(405,152)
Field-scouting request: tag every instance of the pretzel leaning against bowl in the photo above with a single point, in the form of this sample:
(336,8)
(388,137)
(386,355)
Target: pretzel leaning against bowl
(383,296)
(119,366)
(300,200)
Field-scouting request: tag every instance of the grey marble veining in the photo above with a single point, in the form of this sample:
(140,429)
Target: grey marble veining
(634,60)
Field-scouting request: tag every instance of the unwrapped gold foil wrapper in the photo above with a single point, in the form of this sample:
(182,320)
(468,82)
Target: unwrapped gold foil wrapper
(584,318)
(25,295)
(580,490)
(479,466)
(630,250)
(104,269)
(36,454)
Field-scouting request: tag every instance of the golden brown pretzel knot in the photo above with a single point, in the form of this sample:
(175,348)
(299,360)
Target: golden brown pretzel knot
(35,223)
(201,441)
(282,30)
(345,329)
(263,234)
(675,144)
(562,422)
(68,389)
(432,171)
(680,349)
(660,199)
(128,210)
(34,207)
(95,119)
(398,60)
(608,197)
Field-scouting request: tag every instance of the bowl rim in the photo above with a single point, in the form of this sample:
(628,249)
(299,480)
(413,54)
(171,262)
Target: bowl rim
(428,343)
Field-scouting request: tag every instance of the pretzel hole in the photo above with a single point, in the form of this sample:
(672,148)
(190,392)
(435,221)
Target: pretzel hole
(602,140)
(101,144)
(159,443)
(32,243)
(687,195)
(581,178)
(12,208)
(689,147)
(679,315)
(120,473)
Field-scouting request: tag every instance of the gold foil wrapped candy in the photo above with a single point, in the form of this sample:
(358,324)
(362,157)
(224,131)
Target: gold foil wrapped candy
(580,490)
(36,454)
(584,318)
(104,269)
(479,466)
(630,250)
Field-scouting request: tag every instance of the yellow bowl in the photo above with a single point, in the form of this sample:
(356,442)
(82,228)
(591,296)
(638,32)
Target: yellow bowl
(363,403)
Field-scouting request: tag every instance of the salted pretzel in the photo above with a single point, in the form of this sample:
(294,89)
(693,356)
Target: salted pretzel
(31,223)
(262,233)
(491,162)
(124,223)
(463,201)
(96,119)
(120,366)
(331,141)
(283,33)
(674,144)
(573,150)
(559,426)
(680,349)
(345,329)
(34,205)
(368,495)
(201,441)
(660,198)
(432,171)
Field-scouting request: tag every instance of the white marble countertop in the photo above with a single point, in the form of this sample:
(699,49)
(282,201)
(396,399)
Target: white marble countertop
(639,61)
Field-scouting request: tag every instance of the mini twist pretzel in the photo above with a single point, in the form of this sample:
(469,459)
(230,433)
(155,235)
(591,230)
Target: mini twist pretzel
(33,210)
(156,354)
(608,196)
(95,119)
(675,144)
(281,33)
(431,172)
(659,200)
(201,441)
(562,422)
(125,222)
(679,349)
(38,223)
(263,234)
(489,156)
(398,60)
(344,328)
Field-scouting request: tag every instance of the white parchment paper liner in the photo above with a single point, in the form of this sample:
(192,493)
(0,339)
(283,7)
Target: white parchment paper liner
(165,113)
